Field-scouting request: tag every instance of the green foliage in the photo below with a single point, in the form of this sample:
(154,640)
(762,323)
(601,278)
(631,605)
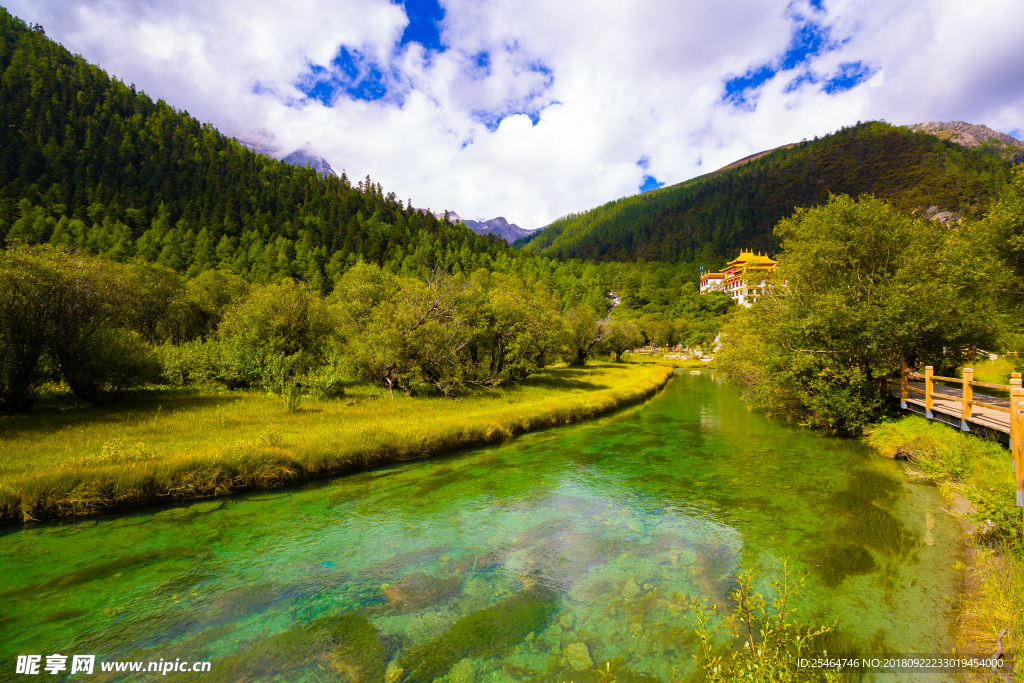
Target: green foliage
(278,333)
(584,332)
(448,332)
(623,335)
(108,363)
(771,641)
(195,363)
(74,309)
(705,219)
(860,288)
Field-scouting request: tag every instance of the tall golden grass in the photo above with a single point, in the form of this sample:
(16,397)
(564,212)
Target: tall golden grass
(980,471)
(171,446)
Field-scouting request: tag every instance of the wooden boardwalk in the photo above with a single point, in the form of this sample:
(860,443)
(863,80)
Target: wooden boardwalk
(990,416)
(960,407)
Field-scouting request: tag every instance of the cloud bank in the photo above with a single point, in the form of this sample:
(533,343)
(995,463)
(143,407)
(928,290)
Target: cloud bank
(532,109)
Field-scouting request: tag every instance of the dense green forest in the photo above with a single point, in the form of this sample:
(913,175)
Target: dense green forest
(708,218)
(89,163)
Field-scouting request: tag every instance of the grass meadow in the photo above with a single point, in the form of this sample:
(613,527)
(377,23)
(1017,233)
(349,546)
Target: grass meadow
(67,459)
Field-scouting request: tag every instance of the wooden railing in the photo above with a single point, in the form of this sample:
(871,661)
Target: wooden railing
(967,404)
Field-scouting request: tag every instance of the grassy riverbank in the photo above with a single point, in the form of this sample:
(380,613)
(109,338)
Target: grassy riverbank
(967,468)
(66,461)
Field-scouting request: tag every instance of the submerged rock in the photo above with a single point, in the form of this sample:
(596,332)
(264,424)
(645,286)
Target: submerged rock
(487,632)
(421,590)
(578,657)
(347,643)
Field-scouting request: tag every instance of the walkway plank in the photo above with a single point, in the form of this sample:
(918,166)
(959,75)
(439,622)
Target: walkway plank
(947,400)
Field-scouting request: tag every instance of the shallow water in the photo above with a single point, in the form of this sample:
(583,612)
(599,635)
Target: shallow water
(495,564)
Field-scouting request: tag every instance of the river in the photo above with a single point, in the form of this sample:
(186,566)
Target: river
(513,562)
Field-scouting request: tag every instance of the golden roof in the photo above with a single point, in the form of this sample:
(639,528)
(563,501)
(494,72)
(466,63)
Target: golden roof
(749,258)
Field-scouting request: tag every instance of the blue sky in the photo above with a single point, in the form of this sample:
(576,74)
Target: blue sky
(530,109)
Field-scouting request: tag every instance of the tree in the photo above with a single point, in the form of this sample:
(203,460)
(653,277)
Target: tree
(1003,226)
(584,330)
(517,326)
(278,333)
(25,326)
(860,289)
(75,309)
(623,335)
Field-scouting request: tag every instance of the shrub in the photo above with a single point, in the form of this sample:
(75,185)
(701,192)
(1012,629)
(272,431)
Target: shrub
(109,363)
(772,642)
(276,333)
(195,363)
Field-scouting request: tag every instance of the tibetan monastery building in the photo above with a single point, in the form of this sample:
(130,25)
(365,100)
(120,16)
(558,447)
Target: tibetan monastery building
(743,278)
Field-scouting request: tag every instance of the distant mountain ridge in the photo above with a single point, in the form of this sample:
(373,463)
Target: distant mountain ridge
(509,232)
(707,218)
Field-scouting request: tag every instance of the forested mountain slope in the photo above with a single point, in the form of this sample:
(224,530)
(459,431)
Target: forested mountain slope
(89,163)
(717,213)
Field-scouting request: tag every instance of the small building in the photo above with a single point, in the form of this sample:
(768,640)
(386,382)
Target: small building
(743,278)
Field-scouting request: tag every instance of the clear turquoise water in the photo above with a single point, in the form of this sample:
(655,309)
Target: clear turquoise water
(488,564)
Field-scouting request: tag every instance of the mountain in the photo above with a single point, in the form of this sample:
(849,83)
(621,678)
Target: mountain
(307,156)
(510,232)
(89,163)
(302,157)
(971,135)
(707,218)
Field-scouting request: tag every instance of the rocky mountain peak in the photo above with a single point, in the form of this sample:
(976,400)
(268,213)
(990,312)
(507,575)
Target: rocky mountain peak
(970,135)
(307,156)
(499,226)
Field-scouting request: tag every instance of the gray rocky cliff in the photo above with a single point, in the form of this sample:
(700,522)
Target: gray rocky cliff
(971,135)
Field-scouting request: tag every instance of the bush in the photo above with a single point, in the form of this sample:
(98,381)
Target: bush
(277,333)
(108,363)
(329,380)
(772,642)
(196,363)
(75,309)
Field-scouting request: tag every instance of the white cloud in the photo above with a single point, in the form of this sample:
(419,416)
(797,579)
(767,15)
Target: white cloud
(607,83)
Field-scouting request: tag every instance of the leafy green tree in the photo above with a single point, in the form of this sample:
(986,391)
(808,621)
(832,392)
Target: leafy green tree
(584,331)
(76,310)
(207,298)
(860,289)
(278,334)
(517,328)
(623,335)
(26,323)
(1003,226)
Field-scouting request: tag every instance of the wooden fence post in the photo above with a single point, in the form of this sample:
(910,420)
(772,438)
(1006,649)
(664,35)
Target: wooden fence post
(929,385)
(903,386)
(968,396)
(1015,441)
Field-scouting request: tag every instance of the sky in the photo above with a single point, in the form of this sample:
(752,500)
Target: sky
(533,109)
